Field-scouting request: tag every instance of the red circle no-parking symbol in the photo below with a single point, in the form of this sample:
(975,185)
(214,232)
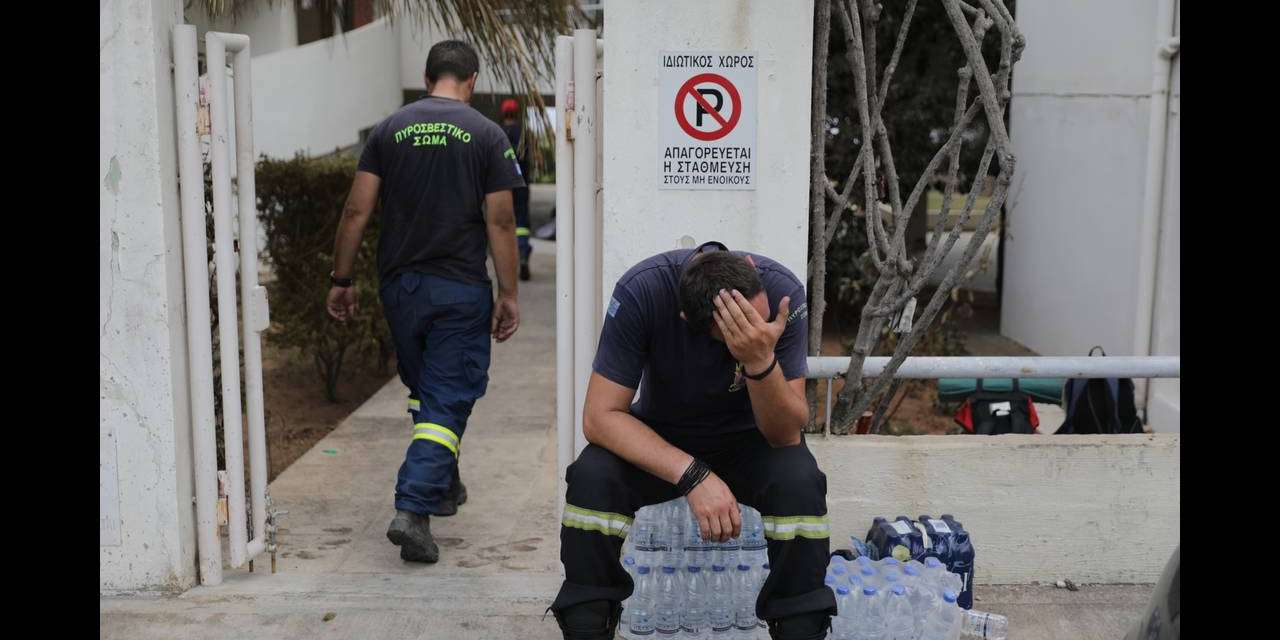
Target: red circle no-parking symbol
(702,104)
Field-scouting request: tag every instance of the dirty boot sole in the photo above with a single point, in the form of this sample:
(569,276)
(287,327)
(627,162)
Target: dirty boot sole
(414,548)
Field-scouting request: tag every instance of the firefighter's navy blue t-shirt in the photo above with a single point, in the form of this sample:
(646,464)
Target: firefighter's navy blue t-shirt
(689,382)
(437,158)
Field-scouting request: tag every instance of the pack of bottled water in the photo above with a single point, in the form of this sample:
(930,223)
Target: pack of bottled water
(689,587)
(887,599)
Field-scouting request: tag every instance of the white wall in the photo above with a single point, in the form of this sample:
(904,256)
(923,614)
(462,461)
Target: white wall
(316,97)
(1103,509)
(146,539)
(416,41)
(271,26)
(639,219)
(1079,119)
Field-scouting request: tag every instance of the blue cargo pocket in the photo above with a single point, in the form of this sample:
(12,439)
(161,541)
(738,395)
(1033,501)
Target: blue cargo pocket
(476,367)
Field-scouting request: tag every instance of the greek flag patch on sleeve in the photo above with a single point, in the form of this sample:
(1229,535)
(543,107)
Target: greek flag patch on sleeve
(613,306)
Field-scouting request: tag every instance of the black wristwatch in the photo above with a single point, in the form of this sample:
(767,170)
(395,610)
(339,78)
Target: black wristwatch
(338,282)
(763,374)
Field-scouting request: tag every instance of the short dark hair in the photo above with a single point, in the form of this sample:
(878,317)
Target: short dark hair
(452,58)
(704,276)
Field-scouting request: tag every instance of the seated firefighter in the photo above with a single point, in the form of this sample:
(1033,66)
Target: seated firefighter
(719,340)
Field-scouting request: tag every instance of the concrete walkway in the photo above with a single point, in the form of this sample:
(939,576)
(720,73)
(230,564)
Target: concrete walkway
(338,577)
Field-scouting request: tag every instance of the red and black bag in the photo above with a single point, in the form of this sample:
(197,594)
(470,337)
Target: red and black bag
(989,413)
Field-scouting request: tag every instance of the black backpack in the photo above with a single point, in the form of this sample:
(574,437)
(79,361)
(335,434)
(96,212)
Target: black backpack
(1100,405)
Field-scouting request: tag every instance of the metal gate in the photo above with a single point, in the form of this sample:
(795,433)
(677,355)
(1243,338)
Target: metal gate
(252,298)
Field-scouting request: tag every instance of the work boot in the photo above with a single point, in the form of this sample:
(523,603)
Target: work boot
(595,620)
(457,495)
(412,533)
(805,626)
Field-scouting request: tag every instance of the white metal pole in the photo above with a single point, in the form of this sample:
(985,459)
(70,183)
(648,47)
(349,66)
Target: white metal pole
(565,403)
(585,282)
(224,264)
(928,368)
(196,275)
(252,297)
(1153,188)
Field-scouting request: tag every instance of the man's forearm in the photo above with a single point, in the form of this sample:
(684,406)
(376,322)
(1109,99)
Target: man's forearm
(350,230)
(780,414)
(502,244)
(633,441)
(501,229)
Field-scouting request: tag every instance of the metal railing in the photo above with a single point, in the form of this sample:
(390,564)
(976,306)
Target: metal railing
(928,368)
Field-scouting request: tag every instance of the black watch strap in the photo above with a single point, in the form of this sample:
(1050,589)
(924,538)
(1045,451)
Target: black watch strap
(763,374)
(338,282)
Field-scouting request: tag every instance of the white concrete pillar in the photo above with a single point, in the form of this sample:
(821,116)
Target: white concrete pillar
(640,218)
(146,533)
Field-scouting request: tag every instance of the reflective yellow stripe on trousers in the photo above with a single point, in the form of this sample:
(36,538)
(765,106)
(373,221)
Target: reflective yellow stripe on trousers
(610,524)
(788,527)
(437,434)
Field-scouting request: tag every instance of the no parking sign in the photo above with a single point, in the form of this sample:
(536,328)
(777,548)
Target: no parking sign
(707,109)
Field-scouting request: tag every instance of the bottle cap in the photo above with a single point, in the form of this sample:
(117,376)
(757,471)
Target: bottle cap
(829,580)
(668,569)
(868,591)
(693,568)
(899,590)
(743,567)
(949,595)
(842,590)
(717,568)
(628,560)
(643,570)
(932,562)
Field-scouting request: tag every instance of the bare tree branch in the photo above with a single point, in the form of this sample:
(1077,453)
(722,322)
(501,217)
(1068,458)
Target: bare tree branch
(849,20)
(895,283)
(817,199)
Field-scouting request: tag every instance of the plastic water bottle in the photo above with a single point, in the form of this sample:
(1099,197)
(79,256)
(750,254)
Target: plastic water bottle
(647,549)
(941,576)
(841,625)
(693,620)
(869,615)
(628,565)
(839,572)
(720,603)
(991,626)
(922,595)
(755,549)
(696,550)
(668,603)
(677,517)
(943,622)
(869,577)
(744,601)
(640,621)
(900,624)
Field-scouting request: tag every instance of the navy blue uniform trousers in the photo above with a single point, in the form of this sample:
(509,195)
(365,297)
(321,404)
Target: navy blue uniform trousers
(441,331)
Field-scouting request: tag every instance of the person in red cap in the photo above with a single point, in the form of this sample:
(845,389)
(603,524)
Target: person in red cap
(512,126)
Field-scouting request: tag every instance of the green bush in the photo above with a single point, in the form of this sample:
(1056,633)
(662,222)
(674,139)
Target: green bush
(299,204)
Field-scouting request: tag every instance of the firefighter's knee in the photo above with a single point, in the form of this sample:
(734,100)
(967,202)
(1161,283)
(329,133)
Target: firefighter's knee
(794,481)
(596,476)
